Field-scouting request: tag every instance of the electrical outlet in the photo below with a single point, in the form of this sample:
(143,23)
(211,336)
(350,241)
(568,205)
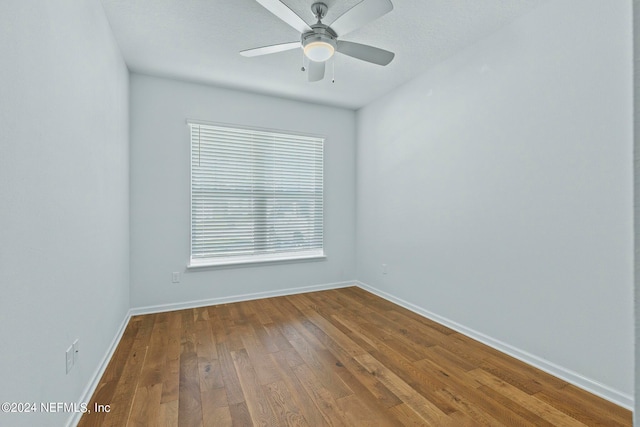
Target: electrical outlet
(384,268)
(175,277)
(76,351)
(69,358)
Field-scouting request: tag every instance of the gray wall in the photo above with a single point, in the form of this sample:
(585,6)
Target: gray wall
(160,190)
(64,252)
(497,187)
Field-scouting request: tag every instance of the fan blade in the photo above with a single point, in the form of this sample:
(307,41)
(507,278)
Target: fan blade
(274,48)
(283,12)
(360,14)
(316,71)
(366,53)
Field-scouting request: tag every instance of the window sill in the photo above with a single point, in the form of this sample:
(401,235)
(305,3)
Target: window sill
(239,262)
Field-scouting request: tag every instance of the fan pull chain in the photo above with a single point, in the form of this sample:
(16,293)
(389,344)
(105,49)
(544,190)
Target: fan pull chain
(333,69)
(303,68)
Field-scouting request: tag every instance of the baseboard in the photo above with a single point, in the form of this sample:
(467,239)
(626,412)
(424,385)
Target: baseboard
(237,298)
(594,387)
(97,375)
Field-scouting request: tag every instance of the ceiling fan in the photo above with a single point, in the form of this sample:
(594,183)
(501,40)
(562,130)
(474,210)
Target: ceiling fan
(320,41)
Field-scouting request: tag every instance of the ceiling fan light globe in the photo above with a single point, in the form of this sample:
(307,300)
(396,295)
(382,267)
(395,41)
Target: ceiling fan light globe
(319,51)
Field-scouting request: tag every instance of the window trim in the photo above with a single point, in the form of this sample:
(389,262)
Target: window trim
(264,259)
(255,260)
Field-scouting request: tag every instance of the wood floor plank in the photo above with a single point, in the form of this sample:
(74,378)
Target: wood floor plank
(228,315)
(306,344)
(263,366)
(200,314)
(240,416)
(524,416)
(357,413)
(445,358)
(326,358)
(207,356)
(168,415)
(580,408)
(262,316)
(106,389)
(268,343)
(604,409)
(321,369)
(461,419)
(539,407)
(126,388)
(283,405)
(218,327)
(217,416)
(145,408)
(406,416)
(171,370)
(297,391)
(275,335)
(321,397)
(353,374)
(468,406)
(394,334)
(430,413)
(259,408)
(447,375)
(117,363)
(215,407)
(229,375)
(404,368)
(189,403)
(151,373)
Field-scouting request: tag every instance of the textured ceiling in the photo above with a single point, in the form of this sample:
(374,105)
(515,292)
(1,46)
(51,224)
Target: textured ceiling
(199,40)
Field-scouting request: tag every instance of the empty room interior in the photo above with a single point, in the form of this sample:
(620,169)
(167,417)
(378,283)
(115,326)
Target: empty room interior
(346,212)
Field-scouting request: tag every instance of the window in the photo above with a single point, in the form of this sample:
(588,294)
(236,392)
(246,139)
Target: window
(255,195)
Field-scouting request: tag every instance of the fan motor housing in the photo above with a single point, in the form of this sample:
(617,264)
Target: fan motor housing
(319,33)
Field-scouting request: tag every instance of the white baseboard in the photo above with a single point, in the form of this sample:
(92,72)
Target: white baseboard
(622,399)
(237,298)
(97,375)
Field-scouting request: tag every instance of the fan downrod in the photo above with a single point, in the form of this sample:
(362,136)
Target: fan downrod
(319,10)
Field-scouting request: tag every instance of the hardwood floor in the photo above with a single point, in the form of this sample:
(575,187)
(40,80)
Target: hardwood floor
(333,358)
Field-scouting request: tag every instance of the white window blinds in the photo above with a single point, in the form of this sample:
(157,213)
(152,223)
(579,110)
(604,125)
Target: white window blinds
(255,195)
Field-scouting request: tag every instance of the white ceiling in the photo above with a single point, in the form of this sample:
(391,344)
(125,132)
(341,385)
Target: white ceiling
(199,40)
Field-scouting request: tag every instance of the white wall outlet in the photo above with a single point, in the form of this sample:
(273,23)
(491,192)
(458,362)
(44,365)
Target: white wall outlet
(384,268)
(175,277)
(76,351)
(69,358)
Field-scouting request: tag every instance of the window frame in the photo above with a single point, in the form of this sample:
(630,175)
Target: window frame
(239,260)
